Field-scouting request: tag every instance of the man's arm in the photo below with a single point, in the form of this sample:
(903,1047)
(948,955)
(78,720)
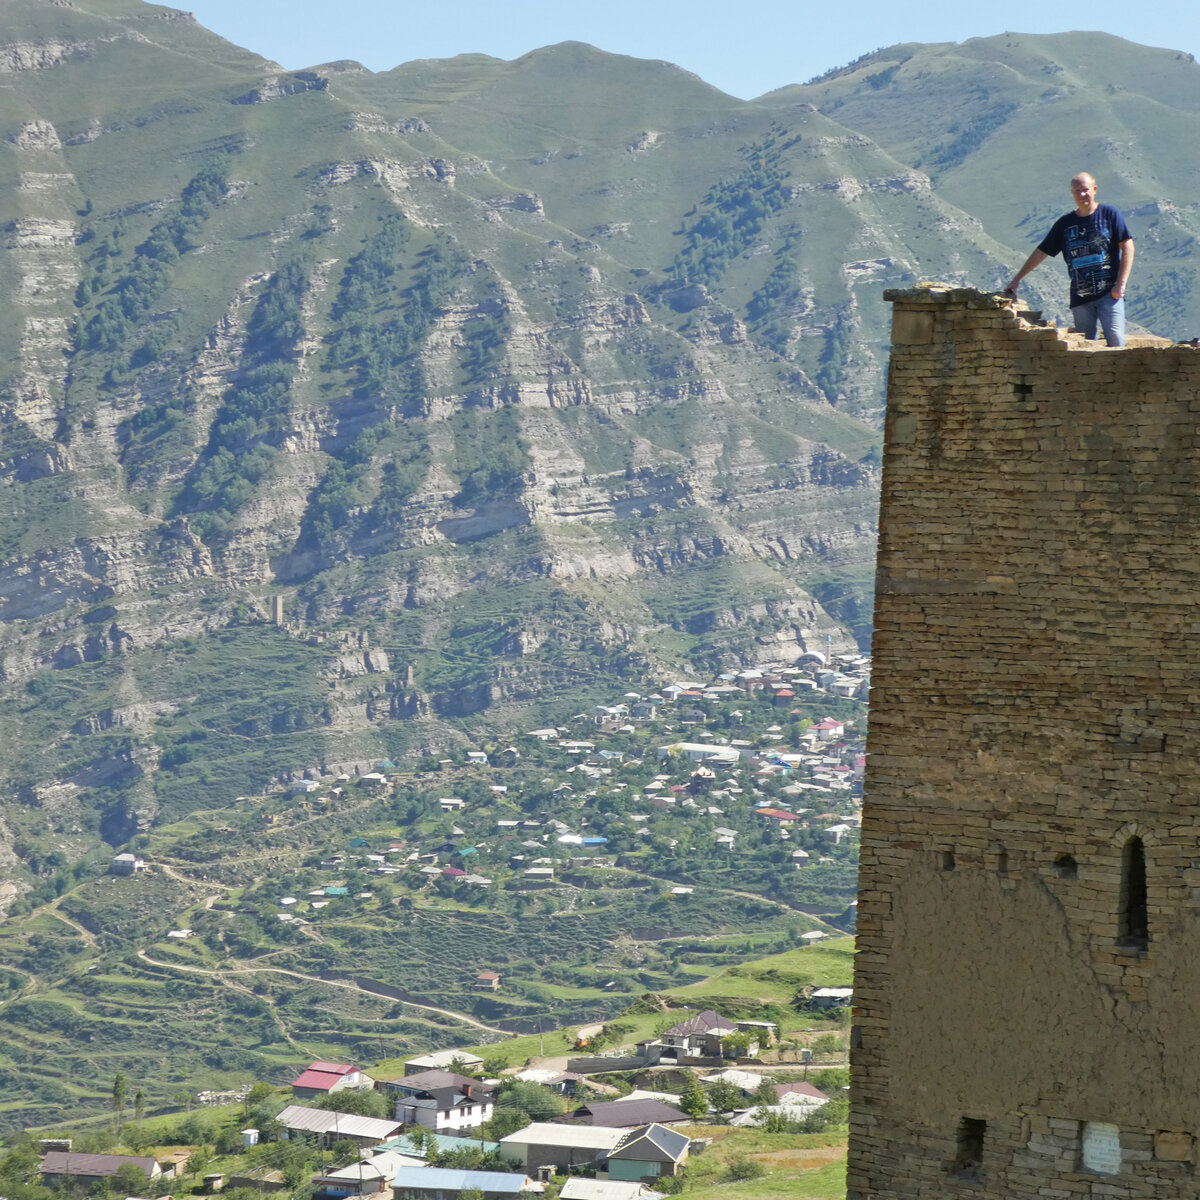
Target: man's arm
(1038,257)
(1118,288)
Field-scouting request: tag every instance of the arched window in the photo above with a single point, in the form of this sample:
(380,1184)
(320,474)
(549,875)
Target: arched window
(1133,920)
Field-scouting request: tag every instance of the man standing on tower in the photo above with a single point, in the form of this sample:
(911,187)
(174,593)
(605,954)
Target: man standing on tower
(1097,246)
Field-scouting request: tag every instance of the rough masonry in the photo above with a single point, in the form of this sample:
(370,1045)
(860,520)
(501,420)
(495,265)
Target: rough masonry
(1027,990)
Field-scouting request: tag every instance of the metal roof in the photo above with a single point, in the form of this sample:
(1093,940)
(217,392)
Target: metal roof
(670,1142)
(626,1114)
(67,1162)
(600,1189)
(320,1120)
(581,1137)
(703,1022)
(446,1179)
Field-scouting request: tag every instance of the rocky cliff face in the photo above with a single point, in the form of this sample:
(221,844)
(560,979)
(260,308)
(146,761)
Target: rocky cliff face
(518,398)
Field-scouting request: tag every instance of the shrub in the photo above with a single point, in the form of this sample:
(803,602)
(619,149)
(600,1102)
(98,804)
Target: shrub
(740,1169)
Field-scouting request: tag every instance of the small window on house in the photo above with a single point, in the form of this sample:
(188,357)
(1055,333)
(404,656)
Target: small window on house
(1002,862)
(947,860)
(968,1155)
(1133,923)
(1065,867)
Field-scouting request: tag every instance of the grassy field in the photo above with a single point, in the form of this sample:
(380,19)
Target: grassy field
(811,1166)
(776,979)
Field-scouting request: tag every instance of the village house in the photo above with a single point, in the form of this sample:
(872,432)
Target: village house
(262,1180)
(440,1100)
(86,1169)
(778,816)
(366,1178)
(443,1060)
(696,1039)
(830,729)
(544,1144)
(649,1153)
(699,752)
(448,1183)
(746,1082)
(126,864)
(565,1083)
(326,1127)
(579,1188)
(323,1078)
(626,1114)
(826,998)
(444,1109)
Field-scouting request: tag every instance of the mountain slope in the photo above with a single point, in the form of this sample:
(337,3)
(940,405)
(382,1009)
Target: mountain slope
(504,379)
(1027,113)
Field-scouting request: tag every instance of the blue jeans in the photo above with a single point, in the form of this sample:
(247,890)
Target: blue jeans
(1108,313)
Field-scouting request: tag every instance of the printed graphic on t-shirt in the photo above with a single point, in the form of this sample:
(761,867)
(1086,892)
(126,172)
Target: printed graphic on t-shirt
(1088,248)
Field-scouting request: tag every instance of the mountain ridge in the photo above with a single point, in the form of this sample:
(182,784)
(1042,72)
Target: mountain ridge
(515,368)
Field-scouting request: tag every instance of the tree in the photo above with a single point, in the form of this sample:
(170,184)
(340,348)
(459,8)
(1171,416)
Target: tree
(229,1141)
(139,1105)
(692,1100)
(361,1104)
(136,1139)
(724,1097)
(256,1095)
(129,1180)
(502,1122)
(343,1151)
(828,1045)
(536,1102)
(735,1045)
(740,1169)
(494,1063)
(118,1100)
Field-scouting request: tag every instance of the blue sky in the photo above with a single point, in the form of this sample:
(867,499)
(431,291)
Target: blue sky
(744,49)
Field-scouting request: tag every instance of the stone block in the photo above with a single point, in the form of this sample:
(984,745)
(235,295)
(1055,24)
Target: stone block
(1173,1146)
(912,327)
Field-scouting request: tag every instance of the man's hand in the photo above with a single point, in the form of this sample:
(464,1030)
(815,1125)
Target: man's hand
(1118,291)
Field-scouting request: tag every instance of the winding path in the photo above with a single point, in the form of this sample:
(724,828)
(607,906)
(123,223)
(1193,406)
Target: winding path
(349,985)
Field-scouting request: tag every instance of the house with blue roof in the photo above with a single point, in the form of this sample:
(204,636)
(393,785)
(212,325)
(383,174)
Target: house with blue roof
(445,1183)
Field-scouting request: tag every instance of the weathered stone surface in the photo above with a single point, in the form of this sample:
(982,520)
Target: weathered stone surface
(1034,722)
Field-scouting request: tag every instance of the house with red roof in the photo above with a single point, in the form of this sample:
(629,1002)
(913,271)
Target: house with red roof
(324,1078)
(830,729)
(778,814)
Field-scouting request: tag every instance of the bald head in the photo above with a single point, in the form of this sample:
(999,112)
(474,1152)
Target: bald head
(1083,191)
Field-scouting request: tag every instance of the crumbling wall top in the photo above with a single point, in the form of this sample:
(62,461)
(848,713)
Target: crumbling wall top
(927,296)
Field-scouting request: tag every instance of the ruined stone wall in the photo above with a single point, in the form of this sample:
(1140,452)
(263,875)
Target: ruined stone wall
(1028,981)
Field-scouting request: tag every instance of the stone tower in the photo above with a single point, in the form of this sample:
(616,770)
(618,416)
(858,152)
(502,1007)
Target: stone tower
(1027,991)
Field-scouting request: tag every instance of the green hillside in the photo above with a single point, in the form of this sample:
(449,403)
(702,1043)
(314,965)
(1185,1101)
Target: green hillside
(1027,113)
(352,418)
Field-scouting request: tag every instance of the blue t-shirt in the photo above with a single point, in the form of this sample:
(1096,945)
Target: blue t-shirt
(1091,248)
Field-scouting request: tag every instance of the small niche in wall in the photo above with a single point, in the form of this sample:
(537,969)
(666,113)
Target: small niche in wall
(968,1150)
(946,857)
(1002,862)
(1065,867)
